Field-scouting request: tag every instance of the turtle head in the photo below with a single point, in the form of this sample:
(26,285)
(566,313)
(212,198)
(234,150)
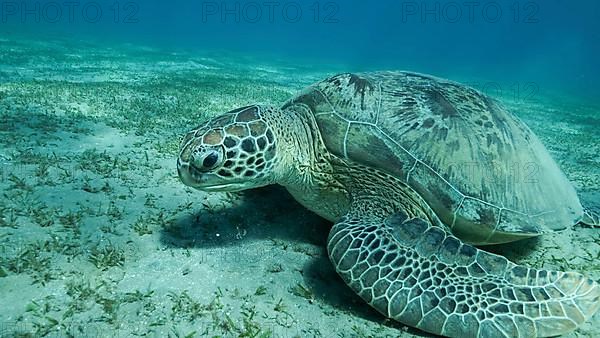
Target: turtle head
(232,152)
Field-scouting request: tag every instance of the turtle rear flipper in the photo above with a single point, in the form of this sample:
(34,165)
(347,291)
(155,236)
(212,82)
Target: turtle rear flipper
(420,275)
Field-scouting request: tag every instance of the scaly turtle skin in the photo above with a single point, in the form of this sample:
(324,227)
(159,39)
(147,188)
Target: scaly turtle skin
(411,169)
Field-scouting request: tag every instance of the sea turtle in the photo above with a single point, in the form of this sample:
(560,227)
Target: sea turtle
(414,170)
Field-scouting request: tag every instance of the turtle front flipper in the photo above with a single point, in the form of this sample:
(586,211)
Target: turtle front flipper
(590,217)
(421,276)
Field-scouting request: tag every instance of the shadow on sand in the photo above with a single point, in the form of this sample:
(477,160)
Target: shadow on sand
(271,213)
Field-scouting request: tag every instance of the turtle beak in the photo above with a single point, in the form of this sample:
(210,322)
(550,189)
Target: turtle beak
(185,174)
(192,177)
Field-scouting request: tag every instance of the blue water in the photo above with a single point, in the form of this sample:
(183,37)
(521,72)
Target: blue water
(553,43)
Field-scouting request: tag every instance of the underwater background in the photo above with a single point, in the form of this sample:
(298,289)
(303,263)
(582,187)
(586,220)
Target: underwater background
(98,237)
(553,42)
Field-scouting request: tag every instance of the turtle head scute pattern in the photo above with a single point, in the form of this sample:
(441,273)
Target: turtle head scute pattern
(233,151)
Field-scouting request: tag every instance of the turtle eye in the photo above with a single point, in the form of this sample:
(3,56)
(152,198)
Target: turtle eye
(210,160)
(206,160)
